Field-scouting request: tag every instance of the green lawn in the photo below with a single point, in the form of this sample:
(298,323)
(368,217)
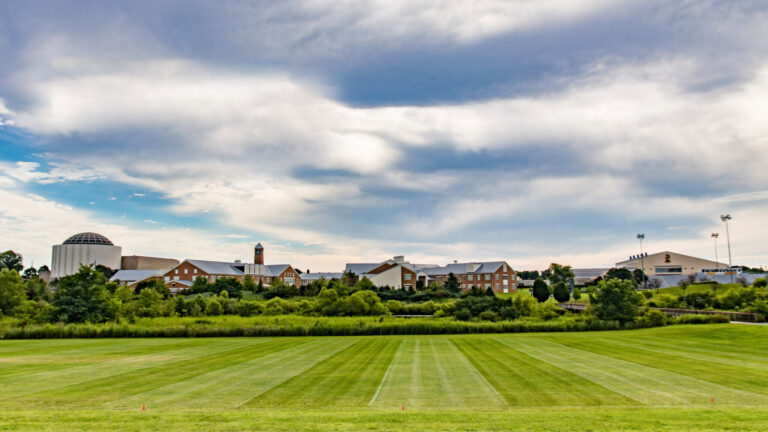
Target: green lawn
(711,377)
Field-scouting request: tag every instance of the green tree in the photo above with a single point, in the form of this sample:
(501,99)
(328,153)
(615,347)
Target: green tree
(622,273)
(228,284)
(452,285)
(180,306)
(11,261)
(364,284)
(30,273)
(213,308)
(83,297)
(249,284)
(148,303)
(327,302)
(106,271)
(616,300)
(11,290)
(124,293)
(559,273)
(540,290)
(199,285)
(561,292)
(576,294)
(37,289)
(153,284)
(260,287)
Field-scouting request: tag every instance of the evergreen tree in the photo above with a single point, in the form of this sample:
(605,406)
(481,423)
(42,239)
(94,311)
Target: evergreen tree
(452,285)
(540,290)
(560,292)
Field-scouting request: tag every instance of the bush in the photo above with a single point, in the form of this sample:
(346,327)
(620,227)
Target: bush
(652,318)
(576,294)
(561,292)
(760,283)
(664,301)
(463,314)
(213,308)
(702,319)
(489,316)
(540,290)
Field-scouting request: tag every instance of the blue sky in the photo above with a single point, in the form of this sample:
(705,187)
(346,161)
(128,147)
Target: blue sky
(341,131)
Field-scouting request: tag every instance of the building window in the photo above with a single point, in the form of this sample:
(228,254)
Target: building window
(195,271)
(497,276)
(176,271)
(464,278)
(407,276)
(471,277)
(505,277)
(487,286)
(505,268)
(487,276)
(186,271)
(497,287)
(167,278)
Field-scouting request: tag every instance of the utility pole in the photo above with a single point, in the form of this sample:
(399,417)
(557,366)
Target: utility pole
(642,260)
(717,263)
(726,218)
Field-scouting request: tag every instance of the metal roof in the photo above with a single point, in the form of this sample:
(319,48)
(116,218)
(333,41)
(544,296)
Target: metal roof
(316,276)
(89,238)
(461,268)
(218,267)
(134,275)
(361,268)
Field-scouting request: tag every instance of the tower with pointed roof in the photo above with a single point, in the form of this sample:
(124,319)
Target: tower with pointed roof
(258,254)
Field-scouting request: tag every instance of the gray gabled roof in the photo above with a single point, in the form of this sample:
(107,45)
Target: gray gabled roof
(316,276)
(361,268)
(134,275)
(589,272)
(461,268)
(218,267)
(275,270)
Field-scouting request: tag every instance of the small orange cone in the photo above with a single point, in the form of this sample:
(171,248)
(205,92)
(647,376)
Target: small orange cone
(143,408)
(403,407)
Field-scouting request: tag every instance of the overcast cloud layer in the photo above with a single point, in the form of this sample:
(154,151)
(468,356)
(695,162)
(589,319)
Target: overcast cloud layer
(352,131)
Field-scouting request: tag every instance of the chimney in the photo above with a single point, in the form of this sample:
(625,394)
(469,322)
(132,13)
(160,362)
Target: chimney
(258,254)
(399,259)
(455,261)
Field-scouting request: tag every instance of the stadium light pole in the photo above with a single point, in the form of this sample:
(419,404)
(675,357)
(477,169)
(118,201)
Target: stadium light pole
(642,260)
(717,263)
(726,218)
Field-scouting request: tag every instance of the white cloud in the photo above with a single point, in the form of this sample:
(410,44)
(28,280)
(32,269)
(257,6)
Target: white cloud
(236,141)
(58,172)
(456,21)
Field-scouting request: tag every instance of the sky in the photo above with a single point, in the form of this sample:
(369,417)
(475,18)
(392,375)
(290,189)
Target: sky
(342,131)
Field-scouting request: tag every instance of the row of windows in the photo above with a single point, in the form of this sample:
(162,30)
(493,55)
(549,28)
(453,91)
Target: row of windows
(186,271)
(469,286)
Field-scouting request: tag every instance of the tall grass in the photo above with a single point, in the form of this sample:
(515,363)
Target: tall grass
(291,325)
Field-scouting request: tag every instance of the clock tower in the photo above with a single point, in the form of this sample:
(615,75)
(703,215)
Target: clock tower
(258,254)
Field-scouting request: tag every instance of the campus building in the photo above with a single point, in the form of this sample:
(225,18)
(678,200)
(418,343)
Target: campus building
(181,276)
(399,274)
(669,263)
(86,248)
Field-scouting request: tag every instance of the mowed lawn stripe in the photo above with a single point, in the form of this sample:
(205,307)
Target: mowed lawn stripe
(647,384)
(20,367)
(752,379)
(348,378)
(383,381)
(206,357)
(526,381)
(229,386)
(96,368)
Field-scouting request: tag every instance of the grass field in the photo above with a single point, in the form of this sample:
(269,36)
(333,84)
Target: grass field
(711,377)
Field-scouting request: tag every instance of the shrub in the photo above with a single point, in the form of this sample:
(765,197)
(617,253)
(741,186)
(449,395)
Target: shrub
(561,293)
(489,316)
(540,290)
(652,318)
(760,283)
(463,314)
(576,294)
(548,311)
(664,301)
(213,308)
(702,319)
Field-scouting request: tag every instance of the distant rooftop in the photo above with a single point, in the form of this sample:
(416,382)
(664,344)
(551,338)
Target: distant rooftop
(88,238)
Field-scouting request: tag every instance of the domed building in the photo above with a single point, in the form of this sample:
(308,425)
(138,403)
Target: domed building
(84,249)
